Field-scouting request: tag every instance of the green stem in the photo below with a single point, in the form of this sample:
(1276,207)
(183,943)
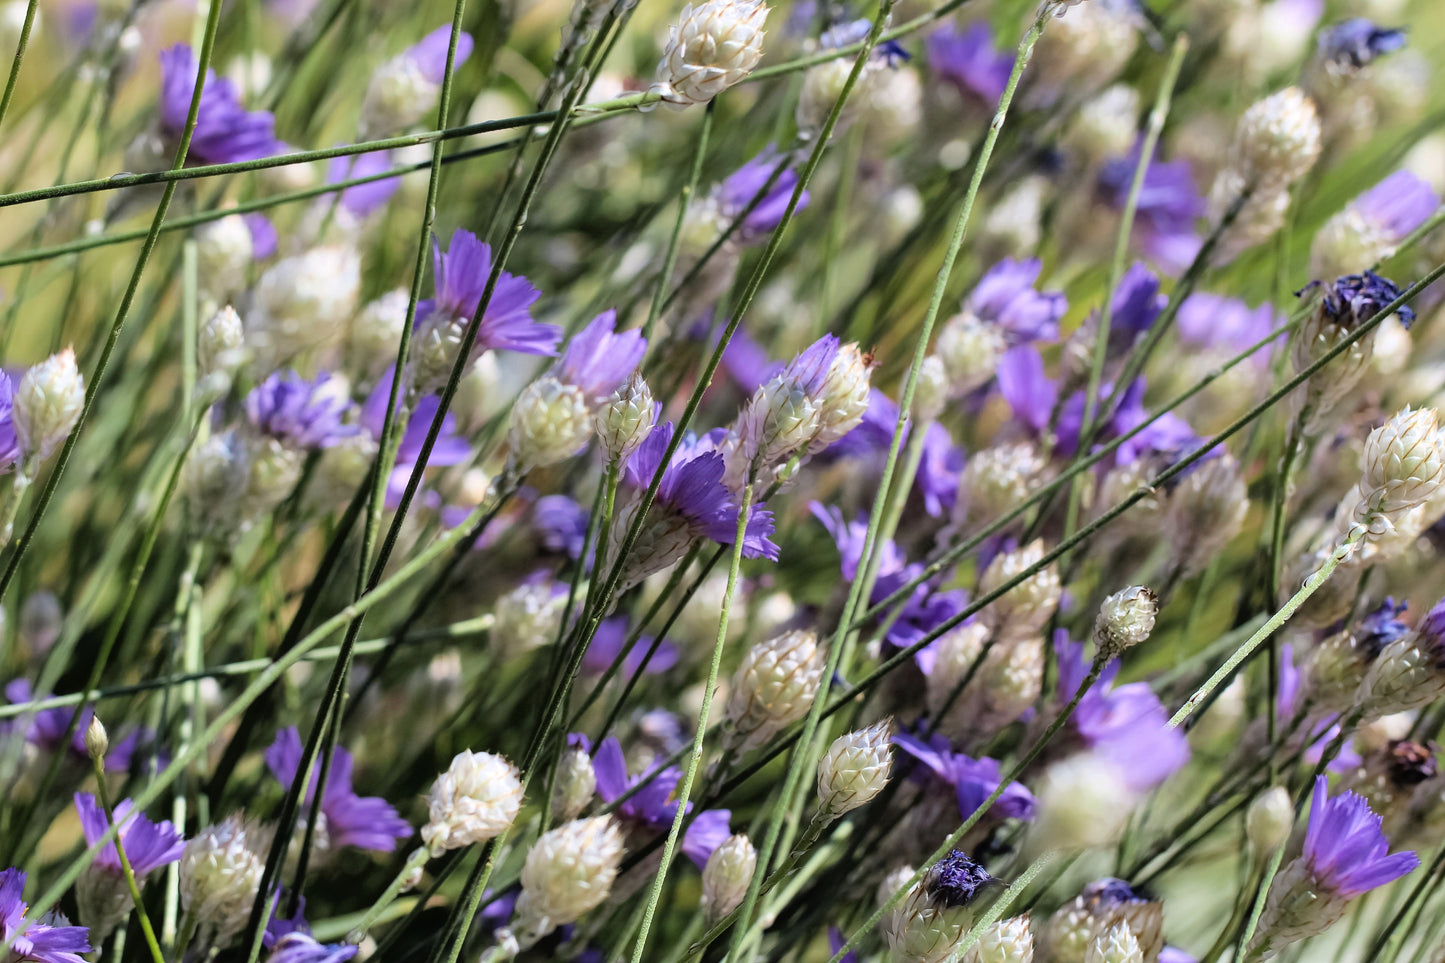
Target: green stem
(19,56)
(669,260)
(98,765)
(400,884)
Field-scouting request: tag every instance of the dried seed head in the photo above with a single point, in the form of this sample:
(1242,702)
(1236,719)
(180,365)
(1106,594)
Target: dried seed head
(969,348)
(627,418)
(726,876)
(550,422)
(855,769)
(1410,671)
(475,800)
(934,917)
(1125,619)
(996,479)
(1024,609)
(303,302)
(48,401)
(773,687)
(713,46)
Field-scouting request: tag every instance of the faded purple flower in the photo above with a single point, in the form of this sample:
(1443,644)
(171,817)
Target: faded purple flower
(652,808)
(300,414)
(1215,321)
(363,200)
(1345,847)
(225,131)
(561,524)
(969,60)
(9,443)
(30,941)
(1356,43)
(47,729)
(1136,305)
(1397,205)
(598,360)
(973,780)
(366,822)
(263,236)
(461,280)
(1169,205)
(1029,391)
(148,845)
(429,54)
(1006,296)
(956,879)
(607,643)
(736,192)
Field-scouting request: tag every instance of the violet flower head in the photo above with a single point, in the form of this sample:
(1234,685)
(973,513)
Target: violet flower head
(969,60)
(225,131)
(1137,304)
(450,448)
(1215,321)
(47,729)
(973,780)
(1006,296)
(33,941)
(1382,626)
(290,941)
(1029,391)
(9,443)
(652,808)
(736,192)
(1397,205)
(148,845)
(607,644)
(461,280)
(598,360)
(429,54)
(363,200)
(1169,205)
(300,414)
(263,236)
(956,879)
(1356,43)
(855,31)
(1346,848)
(1352,300)
(366,822)
(561,524)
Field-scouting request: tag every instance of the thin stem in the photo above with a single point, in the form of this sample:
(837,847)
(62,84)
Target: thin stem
(20,46)
(98,766)
(669,260)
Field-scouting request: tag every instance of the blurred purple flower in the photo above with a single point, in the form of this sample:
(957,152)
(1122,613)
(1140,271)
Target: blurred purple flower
(9,443)
(608,642)
(263,236)
(1215,321)
(737,191)
(1136,305)
(969,60)
(1397,205)
(290,941)
(35,942)
(973,780)
(561,524)
(429,54)
(940,467)
(1345,847)
(48,726)
(225,131)
(366,822)
(1006,296)
(148,845)
(449,449)
(1356,43)
(1030,392)
(363,200)
(1169,205)
(300,413)
(652,808)
(461,280)
(598,360)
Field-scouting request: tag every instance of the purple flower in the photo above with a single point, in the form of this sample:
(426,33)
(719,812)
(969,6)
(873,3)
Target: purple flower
(835,943)
(9,444)
(148,845)
(955,879)
(855,31)
(290,941)
(1173,954)
(32,941)
(611,636)
(1345,847)
(1136,305)
(938,470)
(225,131)
(693,494)
(1356,43)
(300,413)
(1215,321)
(1319,733)
(461,279)
(450,448)
(969,60)
(1383,625)
(429,54)
(363,200)
(973,780)
(597,360)
(263,236)
(747,362)
(1006,296)
(47,729)
(1169,204)
(1397,205)
(1356,298)
(737,192)
(1164,440)
(1030,392)
(652,807)
(365,822)
(561,524)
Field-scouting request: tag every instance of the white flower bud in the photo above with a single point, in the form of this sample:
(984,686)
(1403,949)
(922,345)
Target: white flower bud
(376,332)
(398,97)
(1259,218)
(1347,242)
(1269,820)
(625,421)
(574,785)
(527,617)
(1125,619)
(844,397)
(996,479)
(1115,945)
(1024,609)
(568,872)
(221,343)
(1083,51)
(1083,802)
(220,875)
(726,876)
(475,800)
(223,255)
(1106,125)
(970,349)
(930,394)
(1004,686)
(713,46)
(48,401)
(772,688)
(1278,139)
(97,743)
(1205,511)
(41,619)
(855,768)
(303,302)
(1407,674)
(274,470)
(823,84)
(1006,941)
(1404,463)
(217,474)
(550,422)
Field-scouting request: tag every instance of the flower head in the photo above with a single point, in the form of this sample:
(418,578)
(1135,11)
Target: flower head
(363,200)
(225,131)
(1006,295)
(1352,300)
(713,46)
(969,60)
(9,442)
(290,941)
(32,941)
(1353,44)
(461,280)
(973,780)
(598,360)
(366,822)
(956,879)
(148,845)
(1168,207)
(299,413)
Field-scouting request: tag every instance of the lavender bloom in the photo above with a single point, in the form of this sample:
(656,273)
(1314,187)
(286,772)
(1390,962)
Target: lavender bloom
(608,641)
(835,943)
(734,194)
(1173,954)
(1382,626)
(363,200)
(561,524)
(652,808)
(1215,321)
(263,236)
(365,822)
(461,279)
(956,879)
(969,60)
(1030,392)
(597,360)
(1163,441)
(1126,725)
(450,448)
(1356,298)
(429,54)
(225,131)
(1398,204)
(300,414)
(47,729)
(148,845)
(36,942)
(1169,204)
(1137,304)
(1356,43)
(9,443)
(1006,296)
(290,941)
(855,31)
(1345,847)
(973,780)
(940,467)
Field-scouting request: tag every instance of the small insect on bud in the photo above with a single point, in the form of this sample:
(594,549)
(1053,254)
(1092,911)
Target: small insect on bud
(221,343)
(1007,941)
(1269,820)
(1115,945)
(726,876)
(1125,619)
(713,46)
(97,743)
(773,688)
(475,800)
(575,783)
(220,875)
(627,417)
(568,872)
(1278,139)
(550,422)
(47,404)
(930,394)
(1404,463)
(855,769)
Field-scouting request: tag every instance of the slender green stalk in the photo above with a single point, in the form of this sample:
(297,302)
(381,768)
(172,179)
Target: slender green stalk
(403,880)
(98,766)
(1261,894)
(669,259)
(20,46)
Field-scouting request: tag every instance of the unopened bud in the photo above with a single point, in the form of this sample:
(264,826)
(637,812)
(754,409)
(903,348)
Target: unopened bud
(1278,139)
(475,800)
(48,402)
(773,687)
(855,769)
(574,785)
(713,46)
(1269,820)
(1025,608)
(221,343)
(550,422)
(625,421)
(1117,944)
(1125,619)
(970,349)
(97,743)
(1007,941)
(844,398)
(568,872)
(726,876)
(1404,463)
(930,394)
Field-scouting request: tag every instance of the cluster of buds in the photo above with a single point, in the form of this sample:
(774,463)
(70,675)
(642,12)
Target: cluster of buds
(773,687)
(713,46)
(475,800)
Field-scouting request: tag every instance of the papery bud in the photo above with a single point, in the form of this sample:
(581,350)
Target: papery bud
(843,399)
(1125,619)
(1404,463)
(726,876)
(713,46)
(223,254)
(475,800)
(996,479)
(1269,820)
(550,422)
(303,302)
(1260,216)
(220,875)
(574,785)
(376,332)
(1006,941)
(970,349)
(97,743)
(855,768)
(773,687)
(1003,687)
(1116,945)
(930,394)
(627,418)
(1278,139)
(1083,802)
(221,343)
(48,401)
(1025,608)
(568,872)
